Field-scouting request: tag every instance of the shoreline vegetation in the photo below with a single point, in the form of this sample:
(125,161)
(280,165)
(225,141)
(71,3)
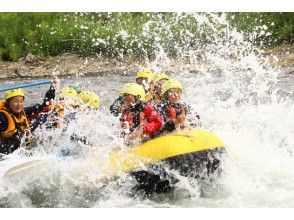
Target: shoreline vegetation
(87,44)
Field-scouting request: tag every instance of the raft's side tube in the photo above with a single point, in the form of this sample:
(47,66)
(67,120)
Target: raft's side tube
(163,147)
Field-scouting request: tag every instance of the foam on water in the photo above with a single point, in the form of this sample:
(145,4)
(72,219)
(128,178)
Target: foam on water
(238,98)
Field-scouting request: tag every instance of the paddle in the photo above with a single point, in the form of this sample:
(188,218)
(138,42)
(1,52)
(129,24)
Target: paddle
(24,168)
(48,81)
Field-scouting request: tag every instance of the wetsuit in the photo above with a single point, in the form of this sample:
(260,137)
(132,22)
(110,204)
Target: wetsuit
(115,108)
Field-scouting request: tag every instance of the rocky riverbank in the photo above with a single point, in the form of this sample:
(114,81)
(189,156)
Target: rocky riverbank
(71,64)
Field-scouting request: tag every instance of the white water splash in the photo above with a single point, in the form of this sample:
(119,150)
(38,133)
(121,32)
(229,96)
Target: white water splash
(228,82)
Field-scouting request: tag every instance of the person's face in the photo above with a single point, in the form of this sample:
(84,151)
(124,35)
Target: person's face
(174,95)
(16,104)
(129,99)
(158,85)
(143,81)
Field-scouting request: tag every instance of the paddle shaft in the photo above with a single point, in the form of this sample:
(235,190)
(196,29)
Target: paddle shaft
(25,85)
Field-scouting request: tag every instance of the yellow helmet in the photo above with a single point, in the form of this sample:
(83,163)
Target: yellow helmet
(171,84)
(133,89)
(68,92)
(158,77)
(12,93)
(145,74)
(90,98)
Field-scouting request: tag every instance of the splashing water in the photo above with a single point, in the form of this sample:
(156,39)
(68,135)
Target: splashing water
(226,80)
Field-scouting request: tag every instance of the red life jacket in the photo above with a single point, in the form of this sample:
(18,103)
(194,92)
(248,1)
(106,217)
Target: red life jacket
(174,110)
(145,116)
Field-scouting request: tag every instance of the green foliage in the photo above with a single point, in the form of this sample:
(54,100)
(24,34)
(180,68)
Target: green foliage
(134,35)
(18,31)
(269,28)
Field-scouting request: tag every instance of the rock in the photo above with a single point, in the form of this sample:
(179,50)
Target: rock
(17,72)
(30,58)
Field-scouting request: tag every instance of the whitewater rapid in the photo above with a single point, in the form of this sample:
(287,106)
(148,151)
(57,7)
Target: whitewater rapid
(255,123)
(228,80)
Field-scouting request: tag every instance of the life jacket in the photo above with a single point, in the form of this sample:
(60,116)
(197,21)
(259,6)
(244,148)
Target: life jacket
(144,115)
(116,106)
(132,117)
(170,112)
(59,112)
(148,96)
(174,110)
(16,124)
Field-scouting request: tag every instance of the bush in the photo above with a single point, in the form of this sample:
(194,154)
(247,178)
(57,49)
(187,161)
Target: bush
(269,28)
(134,35)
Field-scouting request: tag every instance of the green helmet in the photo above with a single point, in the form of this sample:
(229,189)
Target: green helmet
(171,84)
(133,89)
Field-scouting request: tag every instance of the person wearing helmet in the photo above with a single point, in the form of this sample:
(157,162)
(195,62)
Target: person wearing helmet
(173,110)
(68,92)
(157,82)
(64,109)
(117,106)
(90,99)
(16,120)
(70,105)
(138,119)
(143,78)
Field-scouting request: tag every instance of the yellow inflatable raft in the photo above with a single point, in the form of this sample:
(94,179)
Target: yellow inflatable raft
(194,153)
(164,147)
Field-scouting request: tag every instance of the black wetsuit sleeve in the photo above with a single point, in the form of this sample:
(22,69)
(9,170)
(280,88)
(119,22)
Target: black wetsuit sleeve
(3,122)
(34,109)
(169,126)
(116,106)
(50,95)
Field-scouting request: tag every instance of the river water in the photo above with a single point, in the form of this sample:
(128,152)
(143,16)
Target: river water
(238,97)
(256,128)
